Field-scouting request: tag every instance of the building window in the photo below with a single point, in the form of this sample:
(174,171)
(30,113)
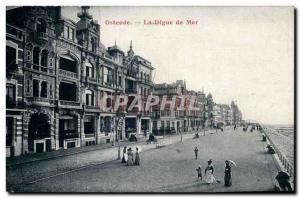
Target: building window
(28,55)
(28,86)
(89,70)
(93,44)
(67,91)
(154,124)
(89,125)
(11,58)
(89,98)
(41,26)
(162,124)
(36,56)
(10,95)
(51,59)
(141,75)
(71,34)
(50,90)
(68,64)
(107,76)
(36,88)
(44,89)
(66,31)
(44,60)
(120,81)
(168,124)
(28,52)
(9,130)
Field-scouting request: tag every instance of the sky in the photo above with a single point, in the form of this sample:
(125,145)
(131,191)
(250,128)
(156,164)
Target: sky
(245,54)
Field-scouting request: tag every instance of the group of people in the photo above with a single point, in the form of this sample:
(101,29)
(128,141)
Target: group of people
(128,156)
(209,172)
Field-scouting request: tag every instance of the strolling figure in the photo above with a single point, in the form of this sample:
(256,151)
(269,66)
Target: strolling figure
(124,158)
(209,173)
(227,176)
(137,157)
(130,157)
(196,152)
(199,173)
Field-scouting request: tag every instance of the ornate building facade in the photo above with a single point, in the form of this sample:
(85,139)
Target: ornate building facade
(58,71)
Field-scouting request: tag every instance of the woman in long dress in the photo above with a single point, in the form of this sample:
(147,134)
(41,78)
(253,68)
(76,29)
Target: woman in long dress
(227,176)
(209,173)
(124,158)
(130,157)
(137,157)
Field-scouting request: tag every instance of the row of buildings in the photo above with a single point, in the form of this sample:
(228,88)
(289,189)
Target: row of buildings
(208,113)
(57,70)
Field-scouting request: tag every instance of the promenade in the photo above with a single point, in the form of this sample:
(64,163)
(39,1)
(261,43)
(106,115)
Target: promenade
(169,169)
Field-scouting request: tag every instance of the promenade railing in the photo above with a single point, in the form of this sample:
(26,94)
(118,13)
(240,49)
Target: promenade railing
(282,157)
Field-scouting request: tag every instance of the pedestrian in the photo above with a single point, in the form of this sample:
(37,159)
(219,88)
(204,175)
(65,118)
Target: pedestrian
(209,173)
(124,158)
(199,173)
(137,157)
(196,152)
(227,176)
(130,157)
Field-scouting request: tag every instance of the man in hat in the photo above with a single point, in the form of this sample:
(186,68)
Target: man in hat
(196,152)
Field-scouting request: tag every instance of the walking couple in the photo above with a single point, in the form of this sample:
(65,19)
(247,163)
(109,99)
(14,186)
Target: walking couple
(128,157)
(209,173)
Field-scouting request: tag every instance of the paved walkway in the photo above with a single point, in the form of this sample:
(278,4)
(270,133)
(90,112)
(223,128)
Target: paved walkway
(25,169)
(168,169)
(34,157)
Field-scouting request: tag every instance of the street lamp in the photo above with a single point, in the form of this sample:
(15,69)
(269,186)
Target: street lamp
(120,115)
(204,118)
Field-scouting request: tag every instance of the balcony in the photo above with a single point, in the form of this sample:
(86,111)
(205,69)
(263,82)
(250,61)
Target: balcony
(15,32)
(40,101)
(12,104)
(71,104)
(89,135)
(69,135)
(92,108)
(68,74)
(131,91)
(42,37)
(155,114)
(132,73)
(91,80)
(145,81)
(147,113)
(40,68)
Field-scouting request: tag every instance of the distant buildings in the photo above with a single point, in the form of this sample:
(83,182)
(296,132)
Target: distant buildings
(58,71)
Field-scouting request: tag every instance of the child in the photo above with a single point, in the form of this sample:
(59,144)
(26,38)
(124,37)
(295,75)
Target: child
(199,172)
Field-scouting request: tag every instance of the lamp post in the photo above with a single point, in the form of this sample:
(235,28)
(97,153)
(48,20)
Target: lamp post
(204,119)
(120,115)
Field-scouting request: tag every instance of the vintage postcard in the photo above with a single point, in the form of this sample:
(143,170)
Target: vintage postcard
(141,99)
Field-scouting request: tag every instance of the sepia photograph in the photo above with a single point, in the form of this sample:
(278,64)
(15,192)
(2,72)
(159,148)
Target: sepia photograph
(150,99)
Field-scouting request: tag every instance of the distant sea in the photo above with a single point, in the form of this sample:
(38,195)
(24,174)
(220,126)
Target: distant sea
(283,137)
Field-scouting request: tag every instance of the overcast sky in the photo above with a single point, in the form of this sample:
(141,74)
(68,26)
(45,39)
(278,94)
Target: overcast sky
(236,53)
